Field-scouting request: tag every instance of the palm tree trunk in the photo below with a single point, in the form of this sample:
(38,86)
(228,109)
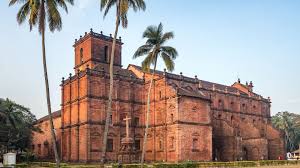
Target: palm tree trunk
(111,86)
(147,116)
(53,136)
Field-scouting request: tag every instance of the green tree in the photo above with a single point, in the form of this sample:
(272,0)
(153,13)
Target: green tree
(154,48)
(289,124)
(122,7)
(41,13)
(17,124)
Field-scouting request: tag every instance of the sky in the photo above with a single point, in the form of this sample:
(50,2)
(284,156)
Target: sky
(217,40)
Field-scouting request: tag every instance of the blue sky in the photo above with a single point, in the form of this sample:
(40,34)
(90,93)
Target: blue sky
(218,40)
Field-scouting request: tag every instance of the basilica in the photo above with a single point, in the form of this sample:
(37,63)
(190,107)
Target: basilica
(190,119)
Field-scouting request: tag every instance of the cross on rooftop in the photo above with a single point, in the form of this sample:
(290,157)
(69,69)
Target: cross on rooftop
(127,125)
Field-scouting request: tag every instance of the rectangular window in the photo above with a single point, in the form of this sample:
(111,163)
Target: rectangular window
(137,144)
(110,120)
(136,121)
(172,145)
(195,144)
(110,145)
(161,144)
(39,149)
(106,53)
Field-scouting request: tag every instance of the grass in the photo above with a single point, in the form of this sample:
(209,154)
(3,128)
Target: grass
(249,164)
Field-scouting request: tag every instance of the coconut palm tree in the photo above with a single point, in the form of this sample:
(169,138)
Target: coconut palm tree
(122,7)
(41,13)
(154,48)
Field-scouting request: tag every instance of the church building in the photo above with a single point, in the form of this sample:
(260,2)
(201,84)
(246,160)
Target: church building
(190,119)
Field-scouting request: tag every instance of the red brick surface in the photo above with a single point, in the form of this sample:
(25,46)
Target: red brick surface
(190,119)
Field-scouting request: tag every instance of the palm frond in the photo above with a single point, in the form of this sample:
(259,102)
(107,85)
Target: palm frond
(147,62)
(23,12)
(168,62)
(107,6)
(38,10)
(153,48)
(63,4)
(103,4)
(159,33)
(142,50)
(169,51)
(33,18)
(53,16)
(150,32)
(141,4)
(124,20)
(167,36)
(12,2)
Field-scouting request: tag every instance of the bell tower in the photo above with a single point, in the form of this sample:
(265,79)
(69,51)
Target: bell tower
(93,49)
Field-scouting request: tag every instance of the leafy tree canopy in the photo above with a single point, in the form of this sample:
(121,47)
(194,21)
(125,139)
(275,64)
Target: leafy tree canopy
(17,124)
(289,123)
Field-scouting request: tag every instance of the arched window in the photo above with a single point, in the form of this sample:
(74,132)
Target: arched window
(161,144)
(81,55)
(232,105)
(195,144)
(220,105)
(172,118)
(106,53)
(244,107)
(111,119)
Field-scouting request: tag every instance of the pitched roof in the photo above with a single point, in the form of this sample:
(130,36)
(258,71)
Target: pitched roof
(55,114)
(191,93)
(204,84)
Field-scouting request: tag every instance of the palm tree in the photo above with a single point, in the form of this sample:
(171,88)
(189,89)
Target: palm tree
(41,12)
(16,125)
(122,7)
(10,113)
(153,49)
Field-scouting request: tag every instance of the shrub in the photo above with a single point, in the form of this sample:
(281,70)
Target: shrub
(26,157)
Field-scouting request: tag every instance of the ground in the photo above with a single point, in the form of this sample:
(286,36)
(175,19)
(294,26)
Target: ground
(285,166)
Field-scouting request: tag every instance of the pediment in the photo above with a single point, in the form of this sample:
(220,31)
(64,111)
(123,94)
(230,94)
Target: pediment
(95,133)
(171,106)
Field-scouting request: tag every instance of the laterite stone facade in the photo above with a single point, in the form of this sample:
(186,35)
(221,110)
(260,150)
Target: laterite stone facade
(190,119)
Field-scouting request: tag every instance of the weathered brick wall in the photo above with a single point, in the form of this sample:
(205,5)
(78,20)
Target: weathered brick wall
(276,144)
(256,148)
(195,130)
(42,142)
(189,119)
